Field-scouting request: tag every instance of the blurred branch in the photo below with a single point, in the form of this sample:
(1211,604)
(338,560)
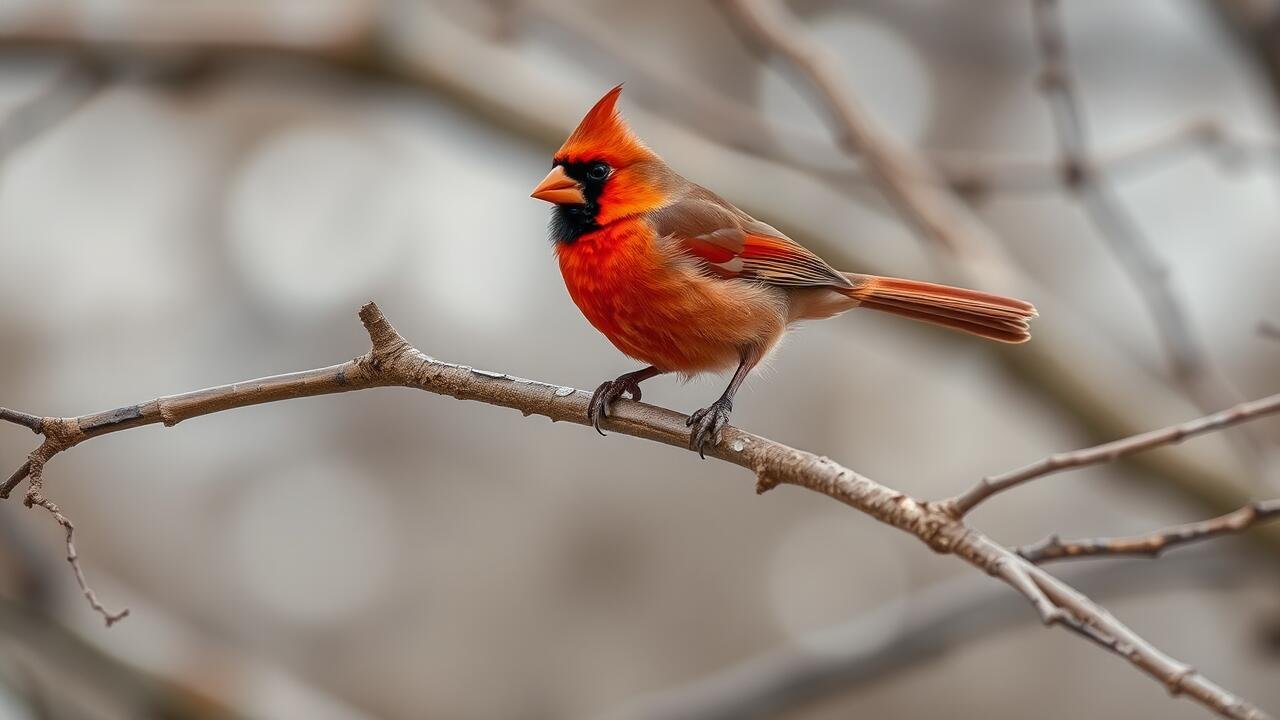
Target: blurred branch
(877,644)
(1269,329)
(421,49)
(76,85)
(1112,451)
(742,126)
(1106,395)
(714,114)
(61,658)
(341,29)
(393,362)
(907,181)
(1256,26)
(1192,365)
(1154,543)
(979,175)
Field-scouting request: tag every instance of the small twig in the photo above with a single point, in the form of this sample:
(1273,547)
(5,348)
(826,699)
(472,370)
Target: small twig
(1269,329)
(916,189)
(1152,544)
(928,622)
(111,618)
(392,361)
(71,90)
(1192,364)
(14,480)
(975,175)
(31,422)
(742,126)
(1114,450)
(1017,576)
(421,49)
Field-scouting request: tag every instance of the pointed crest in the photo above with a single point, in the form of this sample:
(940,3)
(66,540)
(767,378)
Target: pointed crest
(603,134)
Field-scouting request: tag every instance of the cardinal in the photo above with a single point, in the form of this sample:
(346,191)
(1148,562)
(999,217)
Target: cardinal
(679,279)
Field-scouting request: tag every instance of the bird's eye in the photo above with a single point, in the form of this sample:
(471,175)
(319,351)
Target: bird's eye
(598,171)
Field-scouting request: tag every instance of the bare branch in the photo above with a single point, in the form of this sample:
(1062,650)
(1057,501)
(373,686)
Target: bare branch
(1253,25)
(772,463)
(20,418)
(1178,678)
(111,618)
(1152,544)
(392,361)
(976,175)
(79,83)
(742,126)
(1191,362)
(1114,450)
(422,49)
(929,621)
(909,183)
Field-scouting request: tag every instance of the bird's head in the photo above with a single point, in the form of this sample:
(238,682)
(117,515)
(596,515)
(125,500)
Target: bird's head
(602,173)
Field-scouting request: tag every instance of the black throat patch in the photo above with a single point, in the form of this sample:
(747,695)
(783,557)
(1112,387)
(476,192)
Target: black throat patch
(570,222)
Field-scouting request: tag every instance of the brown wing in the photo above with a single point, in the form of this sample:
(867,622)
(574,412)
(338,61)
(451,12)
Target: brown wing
(732,244)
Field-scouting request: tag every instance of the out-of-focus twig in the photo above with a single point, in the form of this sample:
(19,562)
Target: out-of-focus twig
(1152,544)
(422,49)
(393,362)
(80,680)
(1269,329)
(885,641)
(909,183)
(1255,24)
(965,244)
(69,91)
(718,115)
(737,124)
(984,174)
(1112,451)
(1192,364)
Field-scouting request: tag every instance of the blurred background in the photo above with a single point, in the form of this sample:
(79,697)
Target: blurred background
(194,192)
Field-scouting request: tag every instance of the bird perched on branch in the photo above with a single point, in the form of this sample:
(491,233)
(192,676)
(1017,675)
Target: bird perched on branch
(678,278)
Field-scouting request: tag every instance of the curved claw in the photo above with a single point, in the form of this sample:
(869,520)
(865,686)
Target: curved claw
(610,390)
(598,409)
(707,424)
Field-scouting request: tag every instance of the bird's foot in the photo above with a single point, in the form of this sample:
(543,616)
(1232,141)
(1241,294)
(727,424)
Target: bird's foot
(707,424)
(609,391)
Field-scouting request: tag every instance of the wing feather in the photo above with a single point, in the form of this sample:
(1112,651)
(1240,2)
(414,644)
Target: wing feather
(732,244)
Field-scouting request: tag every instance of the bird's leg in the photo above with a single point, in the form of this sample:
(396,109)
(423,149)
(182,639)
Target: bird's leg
(611,390)
(709,421)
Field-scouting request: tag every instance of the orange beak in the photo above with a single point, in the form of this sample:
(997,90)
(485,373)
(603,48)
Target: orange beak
(559,188)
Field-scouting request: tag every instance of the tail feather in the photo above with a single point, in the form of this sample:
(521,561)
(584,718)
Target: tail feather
(978,313)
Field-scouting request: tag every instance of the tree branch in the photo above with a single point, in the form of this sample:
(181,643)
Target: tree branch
(1192,364)
(929,621)
(962,241)
(975,176)
(740,125)
(75,86)
(907,181)
(1152,544)
(1114,450)
(392,361)
(421,49)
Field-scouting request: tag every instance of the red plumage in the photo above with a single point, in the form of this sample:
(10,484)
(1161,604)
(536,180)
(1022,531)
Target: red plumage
(678,278)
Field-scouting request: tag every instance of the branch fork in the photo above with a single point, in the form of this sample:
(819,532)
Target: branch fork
(392,361)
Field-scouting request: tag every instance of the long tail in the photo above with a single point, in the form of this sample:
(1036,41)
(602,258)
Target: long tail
(978,313)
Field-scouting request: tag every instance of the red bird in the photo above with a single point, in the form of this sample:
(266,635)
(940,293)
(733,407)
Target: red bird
(683,281)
